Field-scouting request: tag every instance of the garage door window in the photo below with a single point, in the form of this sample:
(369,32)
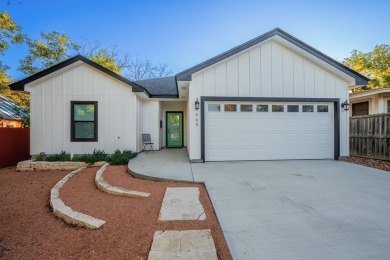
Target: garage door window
(322,108)
(277,108)
(230,108)
(262,108)
(293,108)
(246,108)
(214,107)
(308,108)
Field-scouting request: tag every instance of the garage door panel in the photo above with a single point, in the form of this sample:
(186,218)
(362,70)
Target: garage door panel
(269,135)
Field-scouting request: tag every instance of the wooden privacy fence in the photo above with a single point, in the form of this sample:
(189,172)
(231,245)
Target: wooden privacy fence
(14,146)
(369,136)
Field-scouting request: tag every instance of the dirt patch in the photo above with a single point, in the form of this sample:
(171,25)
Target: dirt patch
(29,230)
(373,163)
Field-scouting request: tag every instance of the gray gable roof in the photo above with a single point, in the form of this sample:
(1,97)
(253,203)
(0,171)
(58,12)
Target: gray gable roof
(186,75)
(160,87)
(169,92)
(7,109)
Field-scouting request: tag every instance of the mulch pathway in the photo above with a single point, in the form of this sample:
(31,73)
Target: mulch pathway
(29,230)
(373,163)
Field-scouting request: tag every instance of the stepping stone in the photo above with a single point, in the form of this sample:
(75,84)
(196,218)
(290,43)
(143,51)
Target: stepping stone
(182,204)
(186,244)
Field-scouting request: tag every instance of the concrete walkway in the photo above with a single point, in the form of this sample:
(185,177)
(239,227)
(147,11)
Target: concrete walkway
(167,164)
(302,209)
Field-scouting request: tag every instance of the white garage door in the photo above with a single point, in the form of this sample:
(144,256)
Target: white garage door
(268,131)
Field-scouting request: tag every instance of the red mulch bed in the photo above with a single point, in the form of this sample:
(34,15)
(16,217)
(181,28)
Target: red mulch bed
(373,163)
(29,230)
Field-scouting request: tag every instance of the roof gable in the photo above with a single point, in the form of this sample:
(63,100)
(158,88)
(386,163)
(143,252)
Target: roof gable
(187,74)
(20,85)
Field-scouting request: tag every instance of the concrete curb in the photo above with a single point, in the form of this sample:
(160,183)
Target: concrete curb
(66,213)
(117,191)
(152,178)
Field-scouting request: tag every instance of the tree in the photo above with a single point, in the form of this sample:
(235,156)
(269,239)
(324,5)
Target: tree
(10,34)
(139,69)
(375,65)
(53,48)
(123,63)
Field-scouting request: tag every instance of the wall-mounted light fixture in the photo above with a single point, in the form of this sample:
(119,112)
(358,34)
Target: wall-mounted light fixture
(197,104)
(345,105)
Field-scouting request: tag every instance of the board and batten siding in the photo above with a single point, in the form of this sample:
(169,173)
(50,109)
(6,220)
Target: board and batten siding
(151,122)
(268,69)
(51,107)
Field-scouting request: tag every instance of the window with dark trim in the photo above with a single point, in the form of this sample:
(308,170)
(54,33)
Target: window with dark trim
(84,115)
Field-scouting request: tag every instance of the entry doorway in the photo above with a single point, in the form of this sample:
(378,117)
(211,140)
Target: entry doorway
(174,129)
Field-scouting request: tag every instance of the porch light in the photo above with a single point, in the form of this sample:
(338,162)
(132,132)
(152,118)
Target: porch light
(345,105)
(197,104)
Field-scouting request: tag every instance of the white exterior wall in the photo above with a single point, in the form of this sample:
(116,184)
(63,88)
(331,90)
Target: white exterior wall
(266,70)
(51,107)
(151,121)
(139,124)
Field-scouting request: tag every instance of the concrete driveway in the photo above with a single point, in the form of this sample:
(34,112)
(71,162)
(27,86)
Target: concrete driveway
(309,209)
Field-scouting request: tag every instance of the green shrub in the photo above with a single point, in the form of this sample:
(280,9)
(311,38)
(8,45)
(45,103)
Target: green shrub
(40,157)
(58,157)
(96,156)
(120,158)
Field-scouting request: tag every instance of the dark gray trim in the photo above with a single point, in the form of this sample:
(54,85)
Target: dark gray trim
(166,128)
(187,74)
(336,108)
(72,121)
(19,85)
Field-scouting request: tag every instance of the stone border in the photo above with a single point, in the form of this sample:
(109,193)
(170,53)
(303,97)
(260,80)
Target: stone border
(31,165)
(66,213)
(117,191)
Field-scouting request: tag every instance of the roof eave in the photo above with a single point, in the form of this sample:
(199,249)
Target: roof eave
(19,85)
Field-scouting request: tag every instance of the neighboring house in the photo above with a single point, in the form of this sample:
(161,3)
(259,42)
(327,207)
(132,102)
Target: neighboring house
(273,97)
(372,101)
(9,115)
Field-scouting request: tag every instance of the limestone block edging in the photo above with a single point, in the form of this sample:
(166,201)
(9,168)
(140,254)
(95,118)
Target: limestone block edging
(31,165)
(66,213)
(118,191)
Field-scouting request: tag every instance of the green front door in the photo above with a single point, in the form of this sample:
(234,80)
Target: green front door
(174,129)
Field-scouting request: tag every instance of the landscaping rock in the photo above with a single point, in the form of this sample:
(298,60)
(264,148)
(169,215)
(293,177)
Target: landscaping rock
(31,165)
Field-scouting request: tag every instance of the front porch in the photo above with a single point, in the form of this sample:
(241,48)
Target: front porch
(165,164)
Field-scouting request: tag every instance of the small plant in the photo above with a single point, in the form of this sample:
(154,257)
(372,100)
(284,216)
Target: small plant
(120,158)
(40,157)
(58,157)
(96,156)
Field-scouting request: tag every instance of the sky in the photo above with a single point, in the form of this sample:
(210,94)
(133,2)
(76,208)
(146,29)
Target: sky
(185,33)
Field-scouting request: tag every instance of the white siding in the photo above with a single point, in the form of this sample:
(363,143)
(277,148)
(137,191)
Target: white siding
(268,69)
(51,105)
(151,123)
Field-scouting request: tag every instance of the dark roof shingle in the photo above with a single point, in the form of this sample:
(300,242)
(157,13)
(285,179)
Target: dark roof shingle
(165,86)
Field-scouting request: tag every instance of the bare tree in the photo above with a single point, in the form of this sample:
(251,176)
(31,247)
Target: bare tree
(132,68)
